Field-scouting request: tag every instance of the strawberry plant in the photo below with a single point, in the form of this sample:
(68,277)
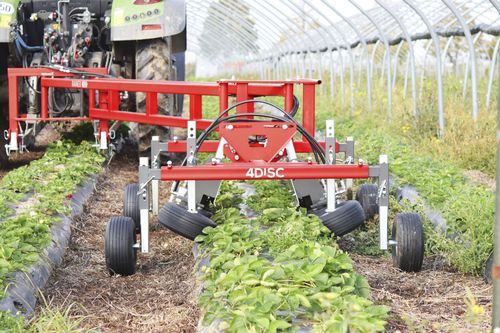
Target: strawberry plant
(50,181)
(281,271)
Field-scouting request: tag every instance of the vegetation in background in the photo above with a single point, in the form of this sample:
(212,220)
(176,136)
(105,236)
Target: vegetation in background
(466,144)
(281,270)
(468,209)
(434,165)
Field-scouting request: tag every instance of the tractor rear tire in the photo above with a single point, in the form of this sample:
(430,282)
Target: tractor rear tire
(367,196)
(153,62)
(119,241)
(344,219)
(182,222)
(408,252)
(131,204)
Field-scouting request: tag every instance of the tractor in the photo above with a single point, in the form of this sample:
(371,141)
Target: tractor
(132,39)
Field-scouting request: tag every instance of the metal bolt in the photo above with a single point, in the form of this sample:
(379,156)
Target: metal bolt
(214,161)
(169,164)
(176,138)
(236,157)
(309,160)
(229,127)
(284,127)
(361,162)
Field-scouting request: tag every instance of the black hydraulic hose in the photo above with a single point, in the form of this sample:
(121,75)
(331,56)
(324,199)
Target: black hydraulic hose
(318,154)
(20,42)
(318,151)
(315,146)
(65,69)
(295,107)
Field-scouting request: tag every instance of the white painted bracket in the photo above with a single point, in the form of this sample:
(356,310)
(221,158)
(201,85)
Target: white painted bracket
(144,207)
(103,142)
(191,184)
(330,155)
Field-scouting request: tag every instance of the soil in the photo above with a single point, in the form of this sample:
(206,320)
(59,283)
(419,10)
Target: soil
(481,178)
(432,300)
(160,297)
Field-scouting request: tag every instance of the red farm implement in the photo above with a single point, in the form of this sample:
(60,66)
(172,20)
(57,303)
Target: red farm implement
(255,140)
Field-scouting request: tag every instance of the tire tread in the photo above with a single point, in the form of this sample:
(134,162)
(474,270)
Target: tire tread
(345,218)
(180,221)
(366,195)
(121,257)
(408,232)
(131,204)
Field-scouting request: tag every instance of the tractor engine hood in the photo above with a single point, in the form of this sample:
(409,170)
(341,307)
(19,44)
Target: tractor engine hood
(146,19)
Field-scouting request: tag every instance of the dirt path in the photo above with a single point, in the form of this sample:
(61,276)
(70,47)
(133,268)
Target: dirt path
(432,300)
(159,298)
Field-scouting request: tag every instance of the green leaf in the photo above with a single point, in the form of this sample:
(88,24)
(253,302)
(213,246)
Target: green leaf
(279,324)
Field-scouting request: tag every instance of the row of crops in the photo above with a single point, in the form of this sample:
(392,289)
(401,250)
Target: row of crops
(279,270)
(32,199)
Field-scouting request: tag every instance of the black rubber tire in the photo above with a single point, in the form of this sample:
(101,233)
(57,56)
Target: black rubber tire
(320,209)
(345,218)
(153,62)
(131,204)
(121,256)
(182,222)
(487,269)
(206,213)
(367,195)
(408,232)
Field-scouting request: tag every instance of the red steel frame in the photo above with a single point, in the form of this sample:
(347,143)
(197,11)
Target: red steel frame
(281,170)
(104,106)
(104,100)
(15,73)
